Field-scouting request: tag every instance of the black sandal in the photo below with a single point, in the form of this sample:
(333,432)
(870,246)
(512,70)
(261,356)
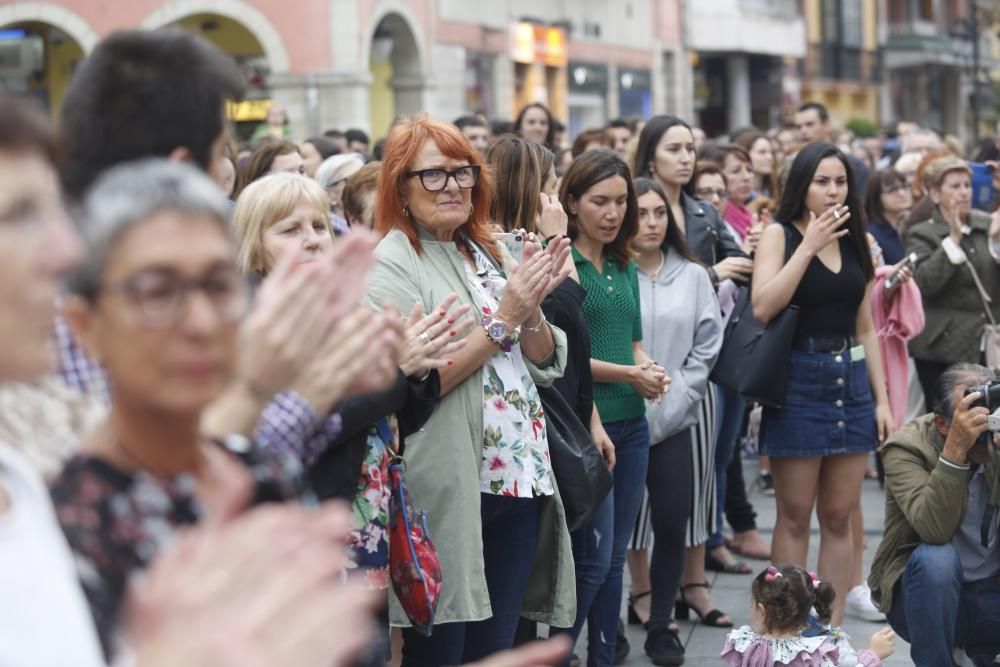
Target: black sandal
(633,618)
(682,610)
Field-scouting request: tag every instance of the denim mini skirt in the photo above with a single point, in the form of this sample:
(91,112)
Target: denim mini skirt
(828,408)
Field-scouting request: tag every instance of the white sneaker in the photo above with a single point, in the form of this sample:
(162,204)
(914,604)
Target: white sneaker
(860,605)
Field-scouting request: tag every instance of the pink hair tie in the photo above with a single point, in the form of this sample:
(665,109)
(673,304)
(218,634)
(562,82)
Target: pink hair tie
(772,574)
(815,579)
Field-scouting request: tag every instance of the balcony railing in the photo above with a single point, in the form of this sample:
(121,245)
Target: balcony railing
(836,62)
(773,8)
(915,28)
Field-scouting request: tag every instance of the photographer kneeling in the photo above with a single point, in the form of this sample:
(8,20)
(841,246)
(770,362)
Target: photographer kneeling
(935,574)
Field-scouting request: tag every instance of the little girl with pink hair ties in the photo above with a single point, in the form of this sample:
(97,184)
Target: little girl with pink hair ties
(782,632)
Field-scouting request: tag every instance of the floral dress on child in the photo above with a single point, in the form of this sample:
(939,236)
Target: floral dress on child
(828,648)
(515,449)
(745,648)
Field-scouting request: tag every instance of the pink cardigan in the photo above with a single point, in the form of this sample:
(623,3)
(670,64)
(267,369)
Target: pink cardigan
(897,320)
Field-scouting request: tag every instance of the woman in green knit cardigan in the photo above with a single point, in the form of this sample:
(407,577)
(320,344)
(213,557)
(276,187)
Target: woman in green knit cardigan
(603,213)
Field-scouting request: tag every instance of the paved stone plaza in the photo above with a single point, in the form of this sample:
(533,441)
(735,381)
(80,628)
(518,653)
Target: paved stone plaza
(731,592)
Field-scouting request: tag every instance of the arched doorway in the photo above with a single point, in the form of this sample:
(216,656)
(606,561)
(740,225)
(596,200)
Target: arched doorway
(396,66)
(38,59)
(245,33)
(233,38)
(40,46)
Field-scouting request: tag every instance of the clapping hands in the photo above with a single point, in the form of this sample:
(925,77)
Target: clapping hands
(533,279)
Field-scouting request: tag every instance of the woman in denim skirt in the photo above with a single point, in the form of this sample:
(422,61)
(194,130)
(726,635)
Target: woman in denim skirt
(836,408)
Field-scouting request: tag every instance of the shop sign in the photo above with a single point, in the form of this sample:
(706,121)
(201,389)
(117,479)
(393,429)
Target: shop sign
(633,79)
(584,77)
(246,110)
(533,43)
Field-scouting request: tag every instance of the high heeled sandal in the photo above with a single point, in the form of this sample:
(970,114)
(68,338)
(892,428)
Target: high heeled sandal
(633,618)
(683,609)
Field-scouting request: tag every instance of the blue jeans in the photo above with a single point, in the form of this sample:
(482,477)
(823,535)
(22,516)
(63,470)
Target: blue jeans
(592,557)
(631,439)
(510,540)
(935,611)
(731,409)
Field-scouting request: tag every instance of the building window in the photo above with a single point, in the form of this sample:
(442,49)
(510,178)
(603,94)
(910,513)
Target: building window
(478,80)
(925,10)
(787,9)
(843,38)
(897,13)
(851,29)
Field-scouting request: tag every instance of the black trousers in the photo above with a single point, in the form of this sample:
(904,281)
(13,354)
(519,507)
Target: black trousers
(669,482)
(739,512)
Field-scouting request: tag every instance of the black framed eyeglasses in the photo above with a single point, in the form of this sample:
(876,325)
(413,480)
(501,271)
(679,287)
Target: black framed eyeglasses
(436,180)
(161,297)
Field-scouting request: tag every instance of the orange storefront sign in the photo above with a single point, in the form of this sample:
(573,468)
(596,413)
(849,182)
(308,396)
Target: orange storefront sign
(532,43)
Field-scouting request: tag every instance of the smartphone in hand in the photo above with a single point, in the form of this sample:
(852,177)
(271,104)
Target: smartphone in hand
(514,242)
(894,280)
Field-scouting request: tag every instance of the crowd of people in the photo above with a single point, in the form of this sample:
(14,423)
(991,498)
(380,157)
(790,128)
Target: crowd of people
(214,354)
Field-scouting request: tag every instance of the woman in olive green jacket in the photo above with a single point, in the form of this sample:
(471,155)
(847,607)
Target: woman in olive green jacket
(480,466)
(955,235)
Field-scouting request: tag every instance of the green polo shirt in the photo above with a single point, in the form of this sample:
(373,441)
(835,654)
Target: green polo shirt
(613,316)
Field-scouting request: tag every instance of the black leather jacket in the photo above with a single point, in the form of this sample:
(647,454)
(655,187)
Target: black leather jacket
(707,235)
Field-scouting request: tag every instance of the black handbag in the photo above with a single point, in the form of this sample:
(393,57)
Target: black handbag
(582,475)
(753,360)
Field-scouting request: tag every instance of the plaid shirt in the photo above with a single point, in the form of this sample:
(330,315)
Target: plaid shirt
(75,368)
(287,424)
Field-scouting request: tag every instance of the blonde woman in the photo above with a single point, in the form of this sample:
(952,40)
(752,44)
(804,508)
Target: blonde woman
(284,218)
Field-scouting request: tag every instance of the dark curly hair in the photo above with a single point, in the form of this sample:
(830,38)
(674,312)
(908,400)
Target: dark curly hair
(787,593)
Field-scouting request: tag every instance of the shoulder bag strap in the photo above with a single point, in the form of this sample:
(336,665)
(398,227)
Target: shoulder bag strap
(788,255)
(984,296)
(789,250)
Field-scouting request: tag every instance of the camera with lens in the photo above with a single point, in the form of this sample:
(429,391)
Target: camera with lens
(989,398)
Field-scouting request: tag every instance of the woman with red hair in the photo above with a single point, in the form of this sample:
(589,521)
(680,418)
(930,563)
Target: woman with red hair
(480,466)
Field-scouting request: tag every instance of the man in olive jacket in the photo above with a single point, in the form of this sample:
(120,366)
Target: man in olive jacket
(935,574)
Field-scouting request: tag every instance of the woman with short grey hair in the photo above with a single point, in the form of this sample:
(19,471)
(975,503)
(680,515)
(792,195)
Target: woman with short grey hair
(332,175)
(157,301)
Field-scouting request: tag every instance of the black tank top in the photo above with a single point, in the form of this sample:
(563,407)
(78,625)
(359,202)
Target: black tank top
(828,302)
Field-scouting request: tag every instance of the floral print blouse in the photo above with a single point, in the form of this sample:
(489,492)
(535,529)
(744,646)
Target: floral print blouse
(116,522)
(368,549)
(515,449)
